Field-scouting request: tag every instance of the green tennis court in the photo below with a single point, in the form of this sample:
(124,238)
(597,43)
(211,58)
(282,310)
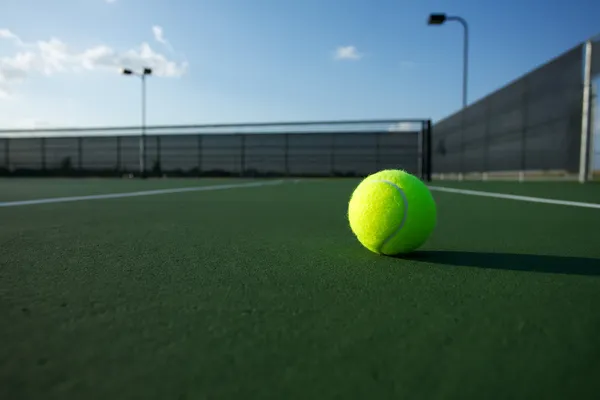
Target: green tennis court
(256,292)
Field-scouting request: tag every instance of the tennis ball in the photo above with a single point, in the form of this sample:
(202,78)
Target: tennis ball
(392,212)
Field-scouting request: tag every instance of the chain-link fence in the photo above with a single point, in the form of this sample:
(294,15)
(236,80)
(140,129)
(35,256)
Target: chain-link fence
(302,149)
(534,124)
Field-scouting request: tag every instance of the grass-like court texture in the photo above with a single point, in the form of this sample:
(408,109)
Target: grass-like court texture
(264,293)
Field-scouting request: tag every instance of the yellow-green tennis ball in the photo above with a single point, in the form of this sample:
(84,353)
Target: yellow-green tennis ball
(392,212)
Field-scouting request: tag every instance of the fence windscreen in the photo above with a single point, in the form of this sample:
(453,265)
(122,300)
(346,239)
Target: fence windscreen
(595,114)
(305,149)
(533,123)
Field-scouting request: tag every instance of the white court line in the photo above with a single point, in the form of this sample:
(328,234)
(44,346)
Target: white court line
(133,194)
(515,197)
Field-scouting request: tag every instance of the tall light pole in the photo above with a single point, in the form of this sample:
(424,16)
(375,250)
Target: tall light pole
(142,75)
(440,19)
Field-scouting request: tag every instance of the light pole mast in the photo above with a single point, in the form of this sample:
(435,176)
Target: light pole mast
(440,19)
(142,75)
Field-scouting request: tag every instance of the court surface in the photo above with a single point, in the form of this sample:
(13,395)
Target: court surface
(256,292)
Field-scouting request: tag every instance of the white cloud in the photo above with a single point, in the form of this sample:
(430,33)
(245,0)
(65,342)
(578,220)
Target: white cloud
(8,35)
(347,53)
(110,1)
(159,34)
(50,57)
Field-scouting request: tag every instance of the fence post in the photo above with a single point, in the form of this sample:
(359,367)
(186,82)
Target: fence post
(486,140)
(463,125)
(243,154)
(585,115)
(428,150)
(286,148)
(524,125)
(79,152)
(118,154)
(158,155)
(43,152)
(332,156)
(592,146)
(7,154)
(199,161)
(421,152)
(378,151)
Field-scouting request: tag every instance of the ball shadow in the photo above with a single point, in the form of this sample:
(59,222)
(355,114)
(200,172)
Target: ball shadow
(510,261)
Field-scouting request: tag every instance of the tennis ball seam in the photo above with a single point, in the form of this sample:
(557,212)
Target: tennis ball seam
(404,214)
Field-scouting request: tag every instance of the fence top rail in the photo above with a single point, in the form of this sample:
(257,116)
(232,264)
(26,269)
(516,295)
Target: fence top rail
(390,125)
(213,134)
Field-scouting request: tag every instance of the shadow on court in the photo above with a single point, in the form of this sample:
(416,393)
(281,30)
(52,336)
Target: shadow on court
(509,261)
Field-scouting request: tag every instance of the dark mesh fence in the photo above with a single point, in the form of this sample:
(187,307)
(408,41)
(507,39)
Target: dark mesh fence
(595,115)
(100,153)
(4,153)
(304,149)
(596,57)
(533,123)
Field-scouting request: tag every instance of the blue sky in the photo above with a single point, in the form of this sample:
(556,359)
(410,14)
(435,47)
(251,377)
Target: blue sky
(267,60)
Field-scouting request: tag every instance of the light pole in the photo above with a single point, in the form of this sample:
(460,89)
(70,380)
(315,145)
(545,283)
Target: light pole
(439,19)
(142,75)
